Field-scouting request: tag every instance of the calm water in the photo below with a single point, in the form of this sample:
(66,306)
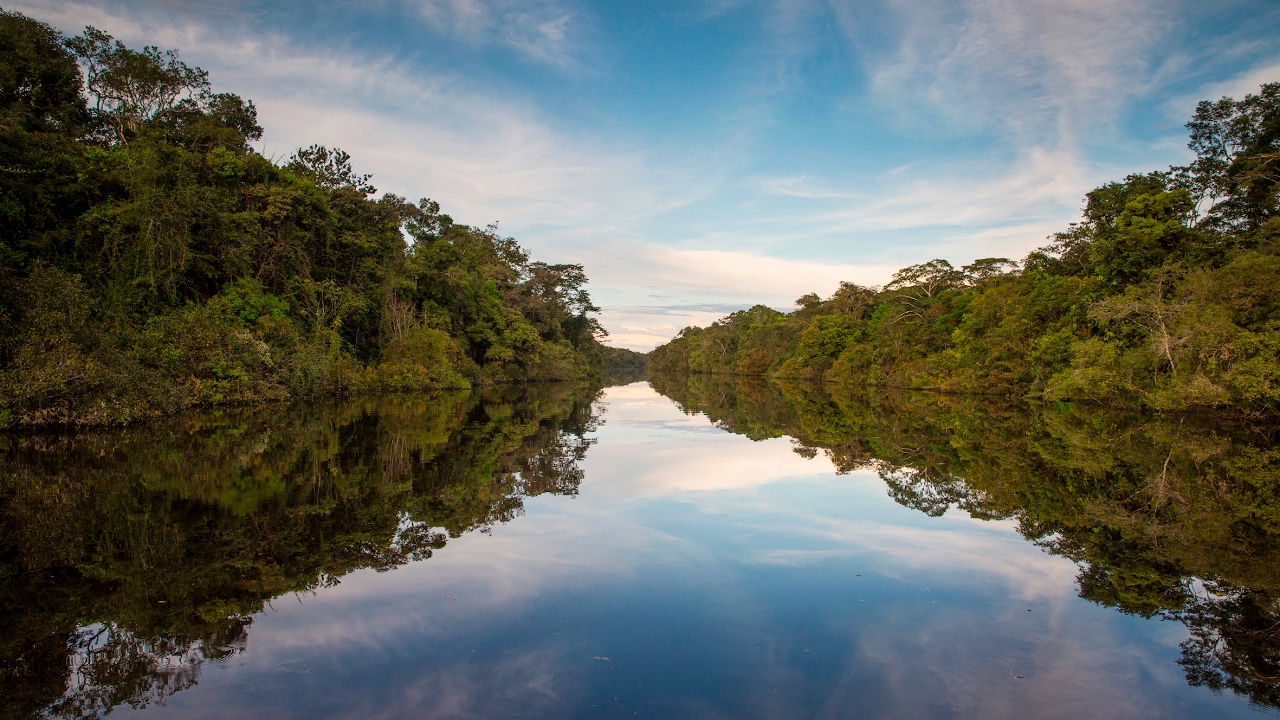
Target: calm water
(741,551)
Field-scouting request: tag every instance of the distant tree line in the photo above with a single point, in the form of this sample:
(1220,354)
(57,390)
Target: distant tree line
(1166,295)
(151,260)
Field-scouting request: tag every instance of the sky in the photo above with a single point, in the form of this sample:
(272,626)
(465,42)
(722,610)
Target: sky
(700,157)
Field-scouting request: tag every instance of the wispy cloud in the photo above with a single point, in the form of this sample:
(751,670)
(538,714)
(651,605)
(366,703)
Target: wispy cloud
(1033,193)
(1044,69)
(541,29)
(1245,83)
(769,279)
(1023,94)
(1031,184)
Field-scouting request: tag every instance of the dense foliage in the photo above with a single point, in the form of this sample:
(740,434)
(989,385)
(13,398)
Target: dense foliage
(131,556)
(1165,295)
(624,366)
(1176,517)
(153,261)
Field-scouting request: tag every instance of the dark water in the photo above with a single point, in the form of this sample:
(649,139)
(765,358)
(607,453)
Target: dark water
(745,550)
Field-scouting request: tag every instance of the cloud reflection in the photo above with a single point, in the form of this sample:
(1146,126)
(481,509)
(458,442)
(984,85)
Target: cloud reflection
(700,574)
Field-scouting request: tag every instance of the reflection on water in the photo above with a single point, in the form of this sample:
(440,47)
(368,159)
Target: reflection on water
(133,556)
(696,573)
(1177,517)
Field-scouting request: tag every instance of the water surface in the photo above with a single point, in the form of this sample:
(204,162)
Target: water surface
(743,550)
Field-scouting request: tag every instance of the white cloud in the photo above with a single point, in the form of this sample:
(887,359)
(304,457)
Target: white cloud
(1036,193)
(1045,69)
(1044,77)
(1246,83)
(540,29)
(1033,184)
(1029,87)
(727,273)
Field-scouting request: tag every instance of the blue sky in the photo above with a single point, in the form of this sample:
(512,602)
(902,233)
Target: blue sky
(699,157)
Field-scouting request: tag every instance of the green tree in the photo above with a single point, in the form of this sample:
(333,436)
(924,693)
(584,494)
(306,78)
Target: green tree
(132,87)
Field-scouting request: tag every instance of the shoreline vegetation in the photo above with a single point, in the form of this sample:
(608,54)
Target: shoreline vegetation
(1164,296)
(153,261)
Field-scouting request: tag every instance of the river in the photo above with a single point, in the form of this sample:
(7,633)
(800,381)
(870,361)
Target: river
(719,549)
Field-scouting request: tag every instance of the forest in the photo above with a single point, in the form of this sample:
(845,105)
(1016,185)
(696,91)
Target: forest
(1173,516)
(153,260)
(1163,296)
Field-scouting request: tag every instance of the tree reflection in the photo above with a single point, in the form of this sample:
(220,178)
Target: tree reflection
(129,558)
(1233,643)
(1169,516)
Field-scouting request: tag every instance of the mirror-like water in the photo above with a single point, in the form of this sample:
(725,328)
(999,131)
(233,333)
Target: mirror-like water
(698,548)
